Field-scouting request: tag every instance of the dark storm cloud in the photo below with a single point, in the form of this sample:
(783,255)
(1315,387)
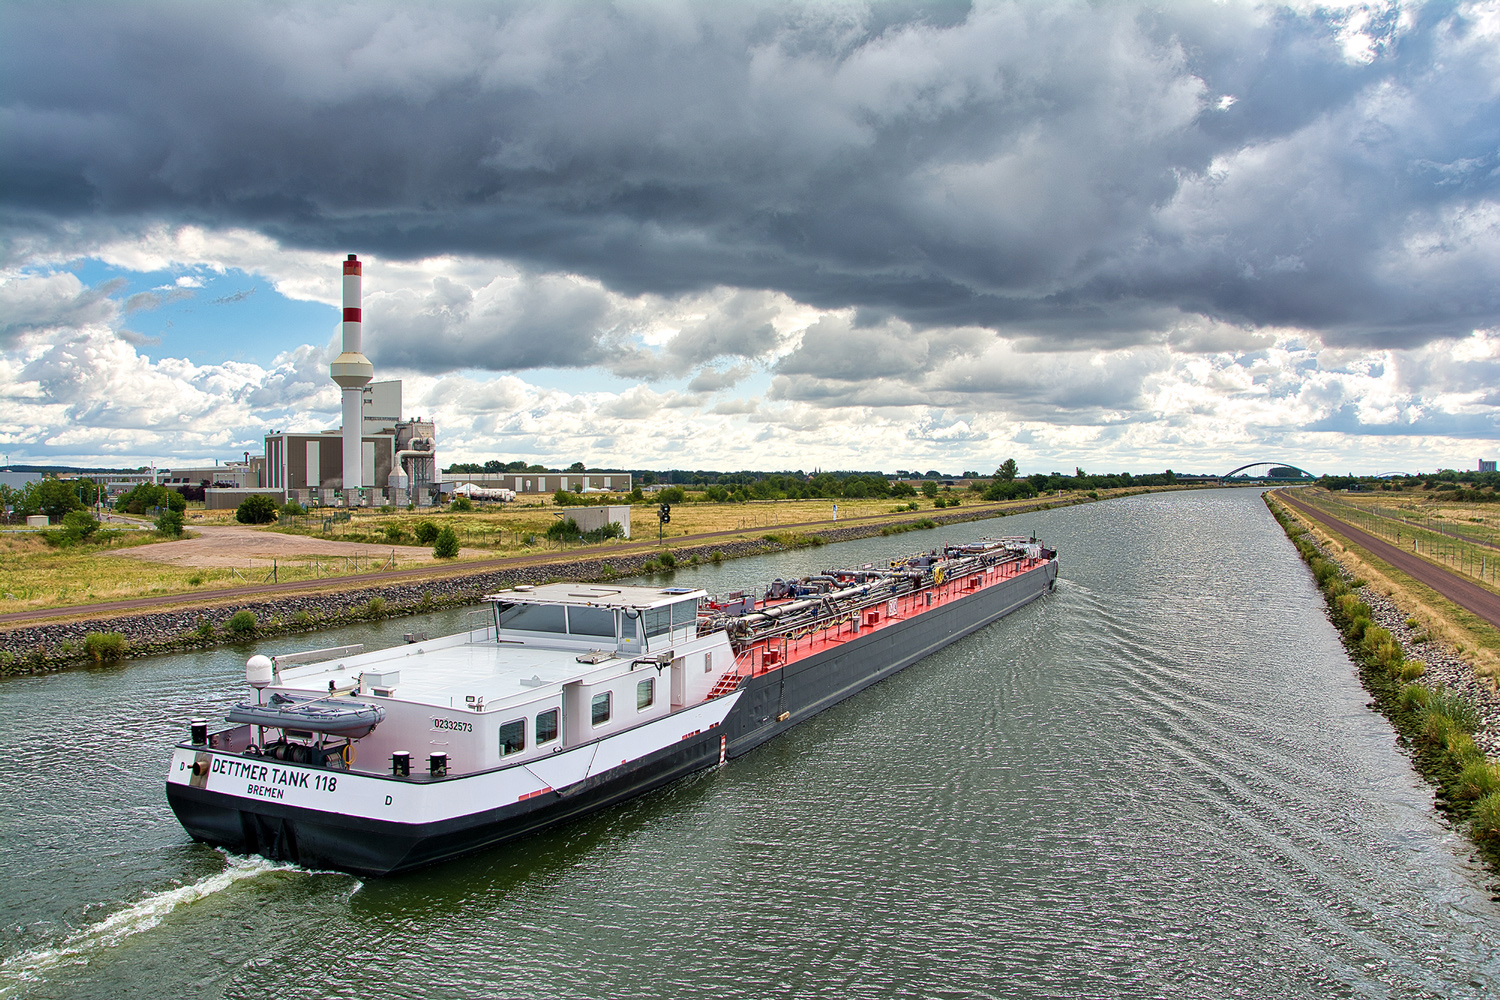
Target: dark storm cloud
(1069,172)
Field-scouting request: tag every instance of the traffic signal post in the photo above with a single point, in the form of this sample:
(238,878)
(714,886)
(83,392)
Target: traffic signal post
(662,517)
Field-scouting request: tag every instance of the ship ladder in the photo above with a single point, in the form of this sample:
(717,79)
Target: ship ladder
(726,683)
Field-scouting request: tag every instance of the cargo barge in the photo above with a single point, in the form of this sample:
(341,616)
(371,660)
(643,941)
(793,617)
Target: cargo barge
(566,699)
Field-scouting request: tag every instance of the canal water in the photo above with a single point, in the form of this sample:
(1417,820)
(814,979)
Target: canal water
(1160,781)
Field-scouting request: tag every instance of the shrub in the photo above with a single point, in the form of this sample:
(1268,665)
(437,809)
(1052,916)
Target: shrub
(716,557)
(1351,607)
(1413,697)
(1411,670)
(1381,647)
(667,560)
(672,494)
(374,608)
(104,647)
(256,509)
(427,532)
(242,623)
(1438,728)
(80,523)
(205,630)
(169,523)
(461,504)
(1485,821)
(302,619)
(393,533)
(293,508)
(445,546)
(1477,780)
(1455,708)
(563,530)
(196,580)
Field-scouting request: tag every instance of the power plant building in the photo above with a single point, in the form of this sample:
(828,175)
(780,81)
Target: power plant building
(397,458)
(375,456)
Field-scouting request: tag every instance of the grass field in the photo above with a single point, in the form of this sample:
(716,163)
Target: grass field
(35,574)
(1458,537)
(521,527)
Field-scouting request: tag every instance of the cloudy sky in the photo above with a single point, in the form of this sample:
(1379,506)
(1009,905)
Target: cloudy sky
(759,235)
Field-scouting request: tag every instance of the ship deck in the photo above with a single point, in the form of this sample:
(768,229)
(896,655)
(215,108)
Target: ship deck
(766,655)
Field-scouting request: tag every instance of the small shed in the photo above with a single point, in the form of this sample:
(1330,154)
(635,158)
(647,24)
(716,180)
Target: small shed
(594,518)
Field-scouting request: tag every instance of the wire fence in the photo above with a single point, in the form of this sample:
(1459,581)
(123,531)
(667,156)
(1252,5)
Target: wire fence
(1471,557)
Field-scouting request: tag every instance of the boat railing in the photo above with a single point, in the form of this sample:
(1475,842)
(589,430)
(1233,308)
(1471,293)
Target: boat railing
(484,630)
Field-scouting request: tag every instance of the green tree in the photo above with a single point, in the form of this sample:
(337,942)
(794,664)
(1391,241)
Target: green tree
(672,494)
(426,532)
(52,497)
(446,544)
(577,467)
(148,495)
(929,489)
(256,509)
(1007,471)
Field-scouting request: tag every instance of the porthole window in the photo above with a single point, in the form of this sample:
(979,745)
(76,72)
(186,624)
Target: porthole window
(645,694)
(599,709)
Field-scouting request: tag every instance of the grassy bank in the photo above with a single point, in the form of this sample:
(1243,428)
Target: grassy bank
(1435,724)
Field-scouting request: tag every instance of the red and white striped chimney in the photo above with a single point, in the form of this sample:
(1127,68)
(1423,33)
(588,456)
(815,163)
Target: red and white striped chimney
(352,371)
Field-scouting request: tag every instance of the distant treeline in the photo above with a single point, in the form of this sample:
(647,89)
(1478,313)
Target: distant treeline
(740,487)
(1473,487)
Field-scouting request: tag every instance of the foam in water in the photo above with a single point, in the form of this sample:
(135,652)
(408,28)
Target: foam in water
(134,919)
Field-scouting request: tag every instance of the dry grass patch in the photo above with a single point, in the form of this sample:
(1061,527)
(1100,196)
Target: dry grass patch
(37,575)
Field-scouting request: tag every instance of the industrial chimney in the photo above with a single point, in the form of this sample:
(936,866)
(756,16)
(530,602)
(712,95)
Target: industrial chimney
(352,371)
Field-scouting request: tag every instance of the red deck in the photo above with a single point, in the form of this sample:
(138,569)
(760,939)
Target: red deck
(767,655)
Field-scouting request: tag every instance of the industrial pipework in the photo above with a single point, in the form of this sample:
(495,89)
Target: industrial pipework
(353,371)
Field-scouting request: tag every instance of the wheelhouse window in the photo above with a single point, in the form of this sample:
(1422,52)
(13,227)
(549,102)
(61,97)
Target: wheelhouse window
(546,726)
(645,694)
(599,708)
(591,621)
(534,618)
(513,737)
(674,616)
(658,621)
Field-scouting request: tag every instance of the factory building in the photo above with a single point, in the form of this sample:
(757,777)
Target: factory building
(376,456)
(397,459)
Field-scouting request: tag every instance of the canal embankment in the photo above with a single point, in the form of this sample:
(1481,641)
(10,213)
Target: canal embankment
(1446,715)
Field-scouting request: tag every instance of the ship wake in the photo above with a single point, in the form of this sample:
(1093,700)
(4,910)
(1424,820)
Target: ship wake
(143,915)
